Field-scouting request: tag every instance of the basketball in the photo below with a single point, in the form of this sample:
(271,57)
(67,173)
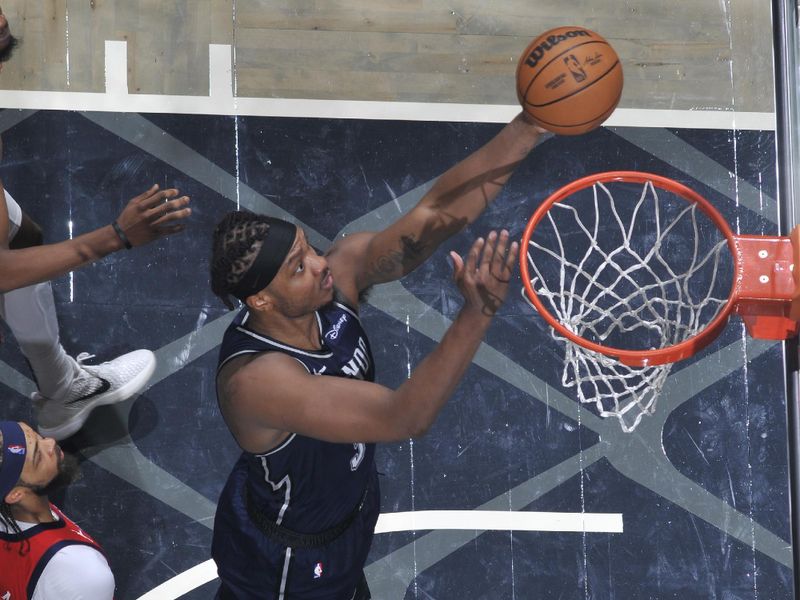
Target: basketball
(569,79)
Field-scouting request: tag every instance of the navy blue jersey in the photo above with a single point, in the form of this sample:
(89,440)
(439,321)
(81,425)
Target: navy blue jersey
(305,485)
(309,485)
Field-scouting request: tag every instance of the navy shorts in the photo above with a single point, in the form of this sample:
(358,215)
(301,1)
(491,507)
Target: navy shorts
(362,592)
(254,567)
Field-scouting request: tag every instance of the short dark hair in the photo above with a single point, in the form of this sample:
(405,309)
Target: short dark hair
(5,53)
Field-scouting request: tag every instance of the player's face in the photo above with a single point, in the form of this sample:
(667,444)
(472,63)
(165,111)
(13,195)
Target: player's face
(304,282)
(43,459)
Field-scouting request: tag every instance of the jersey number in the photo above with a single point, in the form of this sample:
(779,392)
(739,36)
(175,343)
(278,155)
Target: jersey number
(355,462)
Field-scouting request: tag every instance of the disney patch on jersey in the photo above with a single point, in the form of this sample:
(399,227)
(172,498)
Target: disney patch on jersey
(333,332)
(318,570)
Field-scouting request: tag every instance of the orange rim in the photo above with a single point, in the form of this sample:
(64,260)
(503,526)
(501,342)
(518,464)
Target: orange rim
(634,358)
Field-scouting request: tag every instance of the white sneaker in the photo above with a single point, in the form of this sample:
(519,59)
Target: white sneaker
(95,385)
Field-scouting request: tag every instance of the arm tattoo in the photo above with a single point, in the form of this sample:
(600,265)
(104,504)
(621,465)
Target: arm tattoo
(408,257)
(413,250)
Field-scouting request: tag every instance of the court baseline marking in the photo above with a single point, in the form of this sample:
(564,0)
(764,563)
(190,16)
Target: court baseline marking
(479,520)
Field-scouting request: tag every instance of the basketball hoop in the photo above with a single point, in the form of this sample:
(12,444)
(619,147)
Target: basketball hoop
(631,270)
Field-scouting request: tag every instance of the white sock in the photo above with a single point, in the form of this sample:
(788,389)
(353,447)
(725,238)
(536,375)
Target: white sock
(30,312)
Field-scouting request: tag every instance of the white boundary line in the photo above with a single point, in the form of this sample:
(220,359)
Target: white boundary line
(470,520)
(116,68)
(221,101)
(183,583)
(499,520)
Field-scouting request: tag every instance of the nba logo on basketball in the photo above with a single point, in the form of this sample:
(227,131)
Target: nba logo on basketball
(318,570)
(575,68)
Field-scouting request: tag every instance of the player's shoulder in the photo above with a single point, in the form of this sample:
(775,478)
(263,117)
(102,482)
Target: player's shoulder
(347,251)
(351,248)
(346,261)
(76,571)
(243,371)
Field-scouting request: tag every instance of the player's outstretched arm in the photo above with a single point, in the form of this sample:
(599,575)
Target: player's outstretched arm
(457,198)
(273,394)
(149,216)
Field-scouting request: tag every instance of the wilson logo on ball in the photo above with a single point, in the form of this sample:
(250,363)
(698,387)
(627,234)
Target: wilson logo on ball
(538,52)
(569,80)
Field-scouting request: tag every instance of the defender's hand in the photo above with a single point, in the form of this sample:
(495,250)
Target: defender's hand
(153,214)
(484,279)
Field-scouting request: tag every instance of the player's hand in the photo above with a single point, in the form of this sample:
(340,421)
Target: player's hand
(484,278)
(153,214)
(530,121)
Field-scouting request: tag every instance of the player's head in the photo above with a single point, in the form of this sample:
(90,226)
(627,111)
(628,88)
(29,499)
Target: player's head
(246,251)
(30,465)
(7,41)
(260,257)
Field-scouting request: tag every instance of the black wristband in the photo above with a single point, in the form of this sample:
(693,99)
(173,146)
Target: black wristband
(122,235)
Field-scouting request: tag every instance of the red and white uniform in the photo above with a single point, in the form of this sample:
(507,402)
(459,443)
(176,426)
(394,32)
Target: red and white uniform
(50,561)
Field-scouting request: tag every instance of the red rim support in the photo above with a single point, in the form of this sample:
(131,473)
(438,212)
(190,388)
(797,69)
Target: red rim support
(766,287)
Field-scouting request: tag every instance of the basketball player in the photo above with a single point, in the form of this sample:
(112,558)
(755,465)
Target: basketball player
(68,389)
(44,555)
(295,380)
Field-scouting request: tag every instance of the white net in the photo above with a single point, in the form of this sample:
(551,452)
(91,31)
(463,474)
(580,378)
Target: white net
(637,273)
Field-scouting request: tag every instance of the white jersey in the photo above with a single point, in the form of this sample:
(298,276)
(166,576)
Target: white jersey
(14,215)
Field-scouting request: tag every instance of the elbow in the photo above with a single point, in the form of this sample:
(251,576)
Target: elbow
(405,425)
(409,419)
(414,426)
(419,431)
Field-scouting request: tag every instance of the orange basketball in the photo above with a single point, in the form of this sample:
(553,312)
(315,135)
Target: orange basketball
(569,79)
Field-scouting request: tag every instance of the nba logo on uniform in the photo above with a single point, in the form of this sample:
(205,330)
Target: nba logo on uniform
(16,449)
(318,570)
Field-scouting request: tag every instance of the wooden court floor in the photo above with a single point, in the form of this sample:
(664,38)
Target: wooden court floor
(698,54)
